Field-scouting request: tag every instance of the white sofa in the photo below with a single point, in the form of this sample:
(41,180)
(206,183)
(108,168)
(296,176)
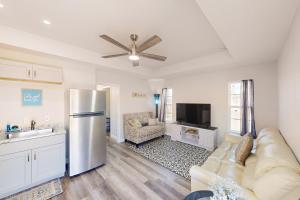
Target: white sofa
(271,172)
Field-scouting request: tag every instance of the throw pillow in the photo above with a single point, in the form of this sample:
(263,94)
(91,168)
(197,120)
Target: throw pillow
(135,123)
(243,149)
(145,124)
(152,121)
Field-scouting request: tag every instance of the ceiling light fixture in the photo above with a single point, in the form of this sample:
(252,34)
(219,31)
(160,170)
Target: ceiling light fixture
(46,22)
(134,57)
(1,5)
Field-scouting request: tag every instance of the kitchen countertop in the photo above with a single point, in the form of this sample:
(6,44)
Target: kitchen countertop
(4,140)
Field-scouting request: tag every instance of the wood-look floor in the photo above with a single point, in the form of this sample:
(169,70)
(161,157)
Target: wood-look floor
(126,175)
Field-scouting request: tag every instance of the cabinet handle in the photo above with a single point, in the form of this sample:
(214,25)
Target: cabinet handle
(34,156)
(28,158)
(28,73)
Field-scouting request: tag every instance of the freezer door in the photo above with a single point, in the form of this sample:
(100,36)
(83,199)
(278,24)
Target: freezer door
(87,143)
(86,101)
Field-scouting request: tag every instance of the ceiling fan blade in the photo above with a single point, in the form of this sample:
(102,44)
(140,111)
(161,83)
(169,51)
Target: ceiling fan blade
(115,55)
(149,43)
(115,42)
(153,56)
(135,63)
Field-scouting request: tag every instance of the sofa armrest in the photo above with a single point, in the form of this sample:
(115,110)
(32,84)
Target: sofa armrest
(200,176)
(233,138)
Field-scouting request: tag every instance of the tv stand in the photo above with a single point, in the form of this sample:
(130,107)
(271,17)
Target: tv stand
(202,137)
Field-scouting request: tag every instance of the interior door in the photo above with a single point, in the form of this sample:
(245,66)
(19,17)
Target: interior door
(47,74)
(48,162)
(15,172)
(15,70)
(87,142)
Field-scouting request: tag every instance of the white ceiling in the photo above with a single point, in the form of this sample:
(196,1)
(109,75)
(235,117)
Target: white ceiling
(196,34)
(186,34)
(253,31)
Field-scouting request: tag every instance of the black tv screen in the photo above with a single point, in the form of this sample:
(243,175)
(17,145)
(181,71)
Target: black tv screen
(193,114)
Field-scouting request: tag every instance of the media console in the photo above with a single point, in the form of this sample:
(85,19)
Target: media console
(201,137)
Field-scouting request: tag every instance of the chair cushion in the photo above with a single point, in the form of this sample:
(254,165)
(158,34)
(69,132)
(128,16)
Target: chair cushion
(244,149)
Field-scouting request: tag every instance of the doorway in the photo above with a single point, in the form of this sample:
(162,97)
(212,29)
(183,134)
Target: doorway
(113,115)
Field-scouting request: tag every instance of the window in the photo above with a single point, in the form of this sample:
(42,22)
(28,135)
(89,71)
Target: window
(169,105)
(235,106)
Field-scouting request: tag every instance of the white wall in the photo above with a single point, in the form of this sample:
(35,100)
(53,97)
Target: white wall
(128,84)
(289,88)
(212,87)
(76,75)
(13,112)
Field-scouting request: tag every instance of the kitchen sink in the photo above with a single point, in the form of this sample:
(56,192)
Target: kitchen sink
(28,133)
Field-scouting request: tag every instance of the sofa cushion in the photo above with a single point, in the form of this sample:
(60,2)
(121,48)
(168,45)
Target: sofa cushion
(150,130)
(135,123)
(269,136)
(248,175)
(272,156)
(223,168)
(231,171)
(226,151)
(282,181)
(152,121)
(244,149)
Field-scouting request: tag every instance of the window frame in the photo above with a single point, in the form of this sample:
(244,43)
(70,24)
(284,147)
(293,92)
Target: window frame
(169,120)
(230,106)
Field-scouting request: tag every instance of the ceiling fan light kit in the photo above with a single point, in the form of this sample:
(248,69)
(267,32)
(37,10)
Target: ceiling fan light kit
(133,57)
(134,53)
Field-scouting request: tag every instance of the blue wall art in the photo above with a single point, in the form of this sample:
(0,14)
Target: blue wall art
(31,97)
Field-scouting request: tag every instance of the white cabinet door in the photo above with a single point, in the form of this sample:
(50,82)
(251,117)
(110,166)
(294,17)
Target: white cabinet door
(48,162)
(47,74)
(15,70)
(15,172)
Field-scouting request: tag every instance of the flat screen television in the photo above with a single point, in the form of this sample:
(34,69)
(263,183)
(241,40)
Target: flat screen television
(193,114)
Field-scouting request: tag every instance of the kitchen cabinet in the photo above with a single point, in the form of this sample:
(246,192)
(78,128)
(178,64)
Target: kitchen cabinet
(47,74)
(15,171)
(47,162)
(15,70)
(19,71)
(27,163)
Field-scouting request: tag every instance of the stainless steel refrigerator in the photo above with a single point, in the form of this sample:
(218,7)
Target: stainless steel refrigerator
(86,130)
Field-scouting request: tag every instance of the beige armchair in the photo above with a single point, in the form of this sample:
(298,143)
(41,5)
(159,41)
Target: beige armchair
(144,133)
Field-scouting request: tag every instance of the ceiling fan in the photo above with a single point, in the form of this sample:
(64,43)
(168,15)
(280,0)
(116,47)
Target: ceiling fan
(134,52)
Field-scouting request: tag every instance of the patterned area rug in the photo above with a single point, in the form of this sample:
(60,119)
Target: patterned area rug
(41,192)
(176,156)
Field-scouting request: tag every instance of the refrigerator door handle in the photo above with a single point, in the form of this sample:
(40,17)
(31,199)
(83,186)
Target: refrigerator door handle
(90,114)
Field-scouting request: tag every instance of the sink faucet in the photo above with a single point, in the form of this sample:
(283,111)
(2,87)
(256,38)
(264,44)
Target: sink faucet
(32,125)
